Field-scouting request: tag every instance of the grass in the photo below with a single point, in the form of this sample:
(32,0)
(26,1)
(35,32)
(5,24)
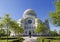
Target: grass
(6,40)
(39,39)
(3,40)
(11,39)
(48,39)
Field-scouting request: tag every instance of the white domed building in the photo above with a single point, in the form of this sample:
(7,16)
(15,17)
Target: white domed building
(29,21)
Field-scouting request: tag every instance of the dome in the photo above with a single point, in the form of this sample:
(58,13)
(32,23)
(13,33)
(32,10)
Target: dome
(29,12)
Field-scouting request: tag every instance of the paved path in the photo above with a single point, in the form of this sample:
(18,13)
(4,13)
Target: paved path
(32,39)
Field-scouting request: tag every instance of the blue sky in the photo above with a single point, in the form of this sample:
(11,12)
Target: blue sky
(16,8)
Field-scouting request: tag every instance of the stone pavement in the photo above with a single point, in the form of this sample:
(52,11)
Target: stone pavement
(32,39)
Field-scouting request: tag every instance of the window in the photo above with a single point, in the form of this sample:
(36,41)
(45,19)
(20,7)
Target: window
(33,31)
(25,27)
(25,32)
(29,21)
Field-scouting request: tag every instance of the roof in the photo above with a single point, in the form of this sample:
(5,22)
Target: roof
(29,12)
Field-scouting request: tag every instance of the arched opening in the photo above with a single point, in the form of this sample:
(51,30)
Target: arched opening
(30,34)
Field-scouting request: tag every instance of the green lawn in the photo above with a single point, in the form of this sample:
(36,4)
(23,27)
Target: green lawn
(6,40)
(11,39)
(3,41)
(48,39)
(39,39)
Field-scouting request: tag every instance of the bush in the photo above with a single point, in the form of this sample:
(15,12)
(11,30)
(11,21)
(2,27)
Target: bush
(52,33)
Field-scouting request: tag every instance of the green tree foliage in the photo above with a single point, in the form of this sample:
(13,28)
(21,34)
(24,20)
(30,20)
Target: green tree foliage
(53,33)
(11,24)
(55,16)
(2,32)
(15,27)
(59,32)
(1,25)
(41,27)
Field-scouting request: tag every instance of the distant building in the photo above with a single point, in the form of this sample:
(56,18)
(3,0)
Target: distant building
(29,21)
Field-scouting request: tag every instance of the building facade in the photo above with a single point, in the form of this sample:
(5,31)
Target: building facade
(29,21)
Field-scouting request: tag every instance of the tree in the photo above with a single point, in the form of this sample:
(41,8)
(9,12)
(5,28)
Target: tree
(59,32)
(15,27)
(6,21)
(1,24)
(55,16)
(1,27)
(41,27)
(2,32)
(53,33)
(10,24)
